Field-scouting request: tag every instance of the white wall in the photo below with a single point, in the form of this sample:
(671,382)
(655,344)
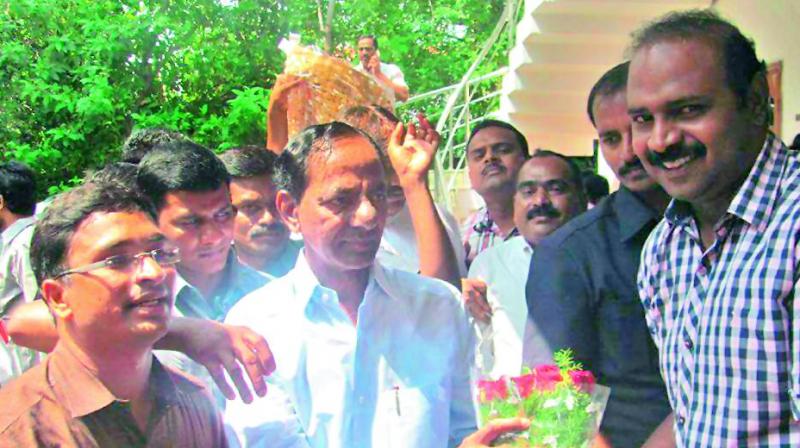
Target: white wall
(774,25)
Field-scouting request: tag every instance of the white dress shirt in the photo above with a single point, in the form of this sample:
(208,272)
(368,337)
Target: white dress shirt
(392,72)
(400,377)
(504,268)
(17,285)
(399,243)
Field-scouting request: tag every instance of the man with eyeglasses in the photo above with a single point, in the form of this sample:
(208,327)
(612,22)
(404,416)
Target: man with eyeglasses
(106,273)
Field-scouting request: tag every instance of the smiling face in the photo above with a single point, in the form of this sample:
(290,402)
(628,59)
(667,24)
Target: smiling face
(200,224)
(614,133)
(689,129)
(343,210)
(493,160)
(546,198)
(258,232)
(107,306)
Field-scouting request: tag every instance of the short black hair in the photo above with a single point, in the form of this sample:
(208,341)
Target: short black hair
(54,230)
(121,172)
(180,166)
(612,82)
(595,186)
(736,52)
(574,170)
(369,36)
(490,123)
(796,142)
(18,188)
(291,171)
(249,161)
(142,141)
(377,121)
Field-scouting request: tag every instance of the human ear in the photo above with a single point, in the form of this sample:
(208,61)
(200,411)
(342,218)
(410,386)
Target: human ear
(53,293)
(758,100)
(287,209)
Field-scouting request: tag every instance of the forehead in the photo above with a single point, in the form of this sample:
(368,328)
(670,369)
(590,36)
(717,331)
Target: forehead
(493,135)
(246,187)
(104,230)
(543,169)
(351,159)
(671,70)
(611,110)
(366,42)
(179,203)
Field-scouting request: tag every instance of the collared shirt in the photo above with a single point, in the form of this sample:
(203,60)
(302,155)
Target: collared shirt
(504,268)
(61,402)
(399,243)
(725,319)
(481,232)
(392,72)
(582,294)
(400,377)
(284,262)
(16,275)
(17,285)
(238,281)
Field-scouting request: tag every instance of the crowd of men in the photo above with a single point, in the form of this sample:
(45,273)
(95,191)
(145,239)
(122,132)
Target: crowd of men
(326,274)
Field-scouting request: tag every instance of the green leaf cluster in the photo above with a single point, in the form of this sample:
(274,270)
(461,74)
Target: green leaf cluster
(79,75)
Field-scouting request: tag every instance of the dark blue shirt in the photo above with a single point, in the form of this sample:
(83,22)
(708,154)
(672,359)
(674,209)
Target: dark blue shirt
(582,295)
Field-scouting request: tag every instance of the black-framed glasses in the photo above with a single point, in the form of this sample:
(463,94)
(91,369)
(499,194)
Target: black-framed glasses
(163,256)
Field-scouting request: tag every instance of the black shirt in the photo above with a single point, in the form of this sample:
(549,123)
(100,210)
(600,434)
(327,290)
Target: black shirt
(582,295)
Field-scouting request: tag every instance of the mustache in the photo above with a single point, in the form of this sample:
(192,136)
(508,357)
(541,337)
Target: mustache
(544,210)
(631,165)
(492,165)
(675,152)
(263,230)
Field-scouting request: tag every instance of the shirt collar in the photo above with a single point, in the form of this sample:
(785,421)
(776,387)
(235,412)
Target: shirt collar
(15,229)
(81,392)
(635,214)
(485,224)
(755,199)
(307,287)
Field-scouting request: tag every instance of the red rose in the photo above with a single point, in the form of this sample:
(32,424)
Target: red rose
(525,384)
(547,377)
(493,390)
(583,380)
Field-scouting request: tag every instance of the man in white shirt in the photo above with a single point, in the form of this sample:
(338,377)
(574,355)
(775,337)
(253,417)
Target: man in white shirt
(17,282)
(549,192)
(388,76)
(366,355)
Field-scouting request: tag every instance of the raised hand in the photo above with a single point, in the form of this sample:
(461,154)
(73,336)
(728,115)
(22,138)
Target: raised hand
(473,292)
(411,151)
(284,85)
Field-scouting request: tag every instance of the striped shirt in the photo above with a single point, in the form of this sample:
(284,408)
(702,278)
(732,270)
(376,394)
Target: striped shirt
(481,232)
(723,318)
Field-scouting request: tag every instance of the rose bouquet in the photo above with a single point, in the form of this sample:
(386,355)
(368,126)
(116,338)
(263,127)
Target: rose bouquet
(562,401)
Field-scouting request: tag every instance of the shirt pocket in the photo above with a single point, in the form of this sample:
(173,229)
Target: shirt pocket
(417,416)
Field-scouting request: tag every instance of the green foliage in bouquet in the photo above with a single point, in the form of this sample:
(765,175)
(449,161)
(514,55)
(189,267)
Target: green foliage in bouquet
(560,400)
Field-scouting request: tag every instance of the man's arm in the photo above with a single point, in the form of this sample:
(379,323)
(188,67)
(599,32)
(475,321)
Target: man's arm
(214,345)
(411,153)
(398,86)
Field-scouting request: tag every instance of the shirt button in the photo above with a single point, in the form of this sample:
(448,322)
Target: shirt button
(681,420)
(688,344)
(702,271)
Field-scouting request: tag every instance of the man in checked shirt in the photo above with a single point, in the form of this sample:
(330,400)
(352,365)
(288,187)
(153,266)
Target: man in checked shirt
(719,273)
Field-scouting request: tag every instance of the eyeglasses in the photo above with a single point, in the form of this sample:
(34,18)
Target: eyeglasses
(164,257)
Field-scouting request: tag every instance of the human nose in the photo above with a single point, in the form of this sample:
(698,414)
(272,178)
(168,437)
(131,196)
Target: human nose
(147,268)
(366,214)
(540,197)
(628,153)
(212,232)
(663,135)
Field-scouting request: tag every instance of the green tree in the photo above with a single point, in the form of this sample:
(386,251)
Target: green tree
(79,75)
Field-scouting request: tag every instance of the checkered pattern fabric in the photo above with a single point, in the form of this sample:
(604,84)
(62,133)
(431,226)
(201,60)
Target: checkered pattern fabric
(481,232)
(723,319)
